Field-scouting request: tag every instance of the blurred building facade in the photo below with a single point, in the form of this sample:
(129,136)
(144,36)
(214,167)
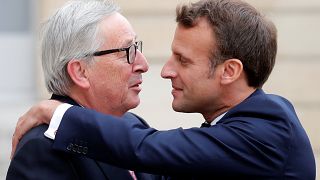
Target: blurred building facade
(294,77)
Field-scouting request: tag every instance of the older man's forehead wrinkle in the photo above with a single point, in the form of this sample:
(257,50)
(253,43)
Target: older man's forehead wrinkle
(127,41)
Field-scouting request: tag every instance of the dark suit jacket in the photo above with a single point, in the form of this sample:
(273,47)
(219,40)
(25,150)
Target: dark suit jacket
(35,159)
(261,138)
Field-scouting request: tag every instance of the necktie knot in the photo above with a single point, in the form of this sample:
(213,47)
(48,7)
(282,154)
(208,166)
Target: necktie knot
(205,124)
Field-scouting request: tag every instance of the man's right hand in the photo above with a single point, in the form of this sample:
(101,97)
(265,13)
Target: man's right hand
(40,113)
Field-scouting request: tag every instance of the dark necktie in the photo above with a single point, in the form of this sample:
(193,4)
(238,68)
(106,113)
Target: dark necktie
(205,125)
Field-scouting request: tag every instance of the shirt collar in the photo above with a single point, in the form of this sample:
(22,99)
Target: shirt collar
(215,121)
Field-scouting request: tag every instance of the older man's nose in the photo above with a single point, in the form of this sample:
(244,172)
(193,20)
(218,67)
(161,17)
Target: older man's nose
(140,64)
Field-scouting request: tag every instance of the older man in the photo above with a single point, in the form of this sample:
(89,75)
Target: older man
(90,58)
(223,52)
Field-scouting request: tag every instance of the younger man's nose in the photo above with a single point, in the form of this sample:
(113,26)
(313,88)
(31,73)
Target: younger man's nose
(168,71)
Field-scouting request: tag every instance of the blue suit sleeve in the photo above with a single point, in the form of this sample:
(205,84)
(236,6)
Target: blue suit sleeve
(129,144)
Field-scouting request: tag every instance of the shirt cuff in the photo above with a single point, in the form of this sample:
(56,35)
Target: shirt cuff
(56,120)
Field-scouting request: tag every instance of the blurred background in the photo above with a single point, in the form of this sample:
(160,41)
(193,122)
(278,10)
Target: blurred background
(294,76)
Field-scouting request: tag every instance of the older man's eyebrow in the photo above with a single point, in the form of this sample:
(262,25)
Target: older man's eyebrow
(129,42)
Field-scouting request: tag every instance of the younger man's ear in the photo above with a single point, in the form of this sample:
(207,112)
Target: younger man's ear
(232,69)
(77,72)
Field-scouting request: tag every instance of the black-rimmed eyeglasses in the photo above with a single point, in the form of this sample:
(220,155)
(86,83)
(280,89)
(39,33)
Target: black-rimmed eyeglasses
(131,51)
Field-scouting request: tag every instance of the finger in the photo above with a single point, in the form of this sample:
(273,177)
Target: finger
(16,136)
(15,142)
(13,147)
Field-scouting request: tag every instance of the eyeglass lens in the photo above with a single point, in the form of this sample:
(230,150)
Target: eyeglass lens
(133,51)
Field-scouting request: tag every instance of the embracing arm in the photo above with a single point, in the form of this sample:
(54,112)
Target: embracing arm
(228,148)
(128,144)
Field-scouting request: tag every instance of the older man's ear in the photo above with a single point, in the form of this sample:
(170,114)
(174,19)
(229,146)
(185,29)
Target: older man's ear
(77,71)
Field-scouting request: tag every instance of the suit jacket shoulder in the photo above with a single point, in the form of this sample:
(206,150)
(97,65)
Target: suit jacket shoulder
(271,125)
(35,159)
(132,115)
